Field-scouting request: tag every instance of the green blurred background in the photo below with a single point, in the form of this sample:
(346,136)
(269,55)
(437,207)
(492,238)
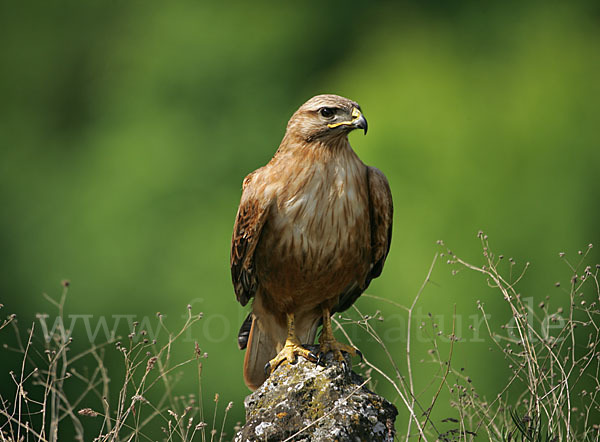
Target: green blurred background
(126,129)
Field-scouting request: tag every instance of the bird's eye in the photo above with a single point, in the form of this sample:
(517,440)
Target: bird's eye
(327,112)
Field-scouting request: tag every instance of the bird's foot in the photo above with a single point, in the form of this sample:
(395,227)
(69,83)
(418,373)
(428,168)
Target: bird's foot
(288,353)
(335,347)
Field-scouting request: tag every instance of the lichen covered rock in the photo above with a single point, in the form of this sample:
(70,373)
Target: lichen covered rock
(306,401)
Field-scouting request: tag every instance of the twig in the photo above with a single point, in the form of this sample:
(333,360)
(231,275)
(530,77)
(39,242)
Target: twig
(437,393)
(408,338)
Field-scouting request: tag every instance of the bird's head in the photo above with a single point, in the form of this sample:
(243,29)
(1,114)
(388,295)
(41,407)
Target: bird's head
(326,117)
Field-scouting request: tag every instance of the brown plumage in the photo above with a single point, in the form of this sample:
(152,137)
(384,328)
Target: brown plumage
(313,229)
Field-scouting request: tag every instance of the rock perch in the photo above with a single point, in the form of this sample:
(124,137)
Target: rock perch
(309,402)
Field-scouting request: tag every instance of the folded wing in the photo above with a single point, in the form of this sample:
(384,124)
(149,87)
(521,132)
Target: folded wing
(249,223)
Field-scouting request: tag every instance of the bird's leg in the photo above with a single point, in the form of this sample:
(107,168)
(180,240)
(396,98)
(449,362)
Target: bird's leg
(291,349)
(328,343)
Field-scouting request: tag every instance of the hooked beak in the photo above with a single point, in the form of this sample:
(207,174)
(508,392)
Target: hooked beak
(358,121)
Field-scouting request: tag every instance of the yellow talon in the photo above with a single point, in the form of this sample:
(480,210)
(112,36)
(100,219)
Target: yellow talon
(328,343)
(290,350)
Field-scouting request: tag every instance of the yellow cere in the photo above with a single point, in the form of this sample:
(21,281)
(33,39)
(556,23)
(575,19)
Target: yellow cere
(355,116)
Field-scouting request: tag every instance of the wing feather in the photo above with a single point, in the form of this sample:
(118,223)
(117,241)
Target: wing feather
(381,212)
(247,229)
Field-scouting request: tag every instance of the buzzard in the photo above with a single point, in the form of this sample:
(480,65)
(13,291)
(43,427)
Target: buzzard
(312,230)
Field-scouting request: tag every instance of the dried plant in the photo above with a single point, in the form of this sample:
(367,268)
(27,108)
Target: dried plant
(553,355)
(42,405)
(551,350)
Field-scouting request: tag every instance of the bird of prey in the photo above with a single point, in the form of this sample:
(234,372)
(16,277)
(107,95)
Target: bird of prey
(312,230)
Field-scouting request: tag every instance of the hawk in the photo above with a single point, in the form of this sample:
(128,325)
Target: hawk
(312,230)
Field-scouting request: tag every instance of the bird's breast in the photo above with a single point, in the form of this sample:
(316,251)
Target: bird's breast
(317,236)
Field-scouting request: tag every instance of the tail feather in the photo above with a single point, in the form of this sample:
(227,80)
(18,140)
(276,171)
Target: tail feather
(260,350)
(244,333)
(307,336)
